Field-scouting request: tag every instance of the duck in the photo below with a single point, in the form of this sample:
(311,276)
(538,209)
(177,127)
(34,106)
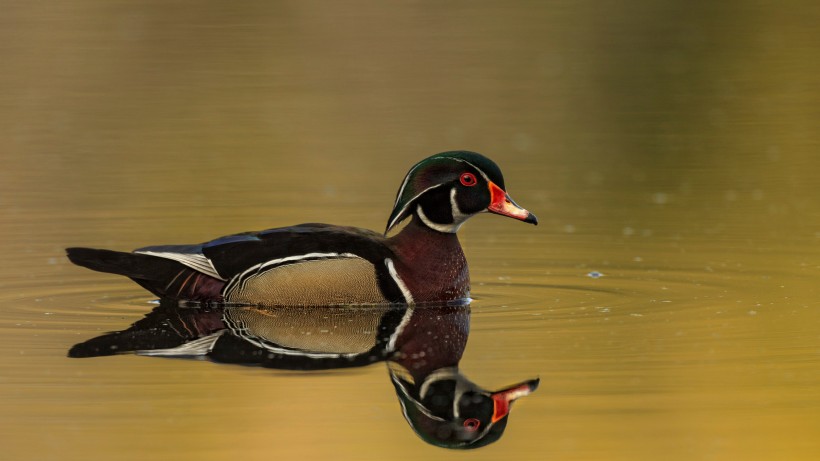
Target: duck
(421,345)
(323,264)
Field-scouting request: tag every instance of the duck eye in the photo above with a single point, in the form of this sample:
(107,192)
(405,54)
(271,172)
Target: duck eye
(468,179)
(471,424)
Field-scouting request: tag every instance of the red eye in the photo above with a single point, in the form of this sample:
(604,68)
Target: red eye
(471,424)
(468,179)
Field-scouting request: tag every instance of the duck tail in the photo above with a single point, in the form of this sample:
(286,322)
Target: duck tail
(114,262)
(163,277)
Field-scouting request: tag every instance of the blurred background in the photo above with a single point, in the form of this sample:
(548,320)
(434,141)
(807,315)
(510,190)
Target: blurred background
(671,146)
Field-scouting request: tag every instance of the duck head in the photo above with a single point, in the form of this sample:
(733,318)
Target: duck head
(449,411)
(446,189)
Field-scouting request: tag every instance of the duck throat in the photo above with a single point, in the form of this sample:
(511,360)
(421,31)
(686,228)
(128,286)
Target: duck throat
(430,262)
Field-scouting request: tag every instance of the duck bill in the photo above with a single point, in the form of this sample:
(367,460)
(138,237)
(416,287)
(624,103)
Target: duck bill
(503,399)
(501,203)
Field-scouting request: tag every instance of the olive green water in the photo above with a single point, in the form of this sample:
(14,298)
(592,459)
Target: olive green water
(671,147)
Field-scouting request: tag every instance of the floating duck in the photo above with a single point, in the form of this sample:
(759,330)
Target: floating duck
(322,264)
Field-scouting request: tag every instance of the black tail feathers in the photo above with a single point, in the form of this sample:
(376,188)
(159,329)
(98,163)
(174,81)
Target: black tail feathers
(163,277)
(116,262)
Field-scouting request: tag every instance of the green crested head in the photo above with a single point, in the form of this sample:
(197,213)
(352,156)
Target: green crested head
(447,188)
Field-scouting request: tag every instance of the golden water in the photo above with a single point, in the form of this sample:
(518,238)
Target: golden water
(671,147)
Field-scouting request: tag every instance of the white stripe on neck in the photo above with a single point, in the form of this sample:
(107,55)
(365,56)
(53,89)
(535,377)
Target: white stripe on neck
(446,228)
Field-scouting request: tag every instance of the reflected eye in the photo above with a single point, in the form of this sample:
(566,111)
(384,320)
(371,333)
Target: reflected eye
(468,179)
(471,424)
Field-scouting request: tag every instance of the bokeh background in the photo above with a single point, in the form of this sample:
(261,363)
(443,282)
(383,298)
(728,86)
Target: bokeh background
(670,145)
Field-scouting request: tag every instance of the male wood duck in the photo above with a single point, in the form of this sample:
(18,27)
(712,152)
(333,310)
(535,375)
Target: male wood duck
(321,264)
(421,344)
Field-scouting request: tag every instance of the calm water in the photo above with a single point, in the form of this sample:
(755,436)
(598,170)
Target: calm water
(668,301)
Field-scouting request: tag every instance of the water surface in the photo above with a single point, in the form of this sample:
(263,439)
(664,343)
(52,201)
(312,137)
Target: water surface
(668,299)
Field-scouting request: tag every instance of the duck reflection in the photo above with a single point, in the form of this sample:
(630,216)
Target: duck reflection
(421,345)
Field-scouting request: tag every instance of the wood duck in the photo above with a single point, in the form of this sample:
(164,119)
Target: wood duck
(448,410)
(321,264)
(421,344)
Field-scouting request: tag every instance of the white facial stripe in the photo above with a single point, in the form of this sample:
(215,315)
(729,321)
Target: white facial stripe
(418,405)
(438,375)
(404,208)
(446,228)
(458,216)
(463,385)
